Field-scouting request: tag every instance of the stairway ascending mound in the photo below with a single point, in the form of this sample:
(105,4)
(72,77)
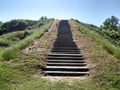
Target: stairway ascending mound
(65,58)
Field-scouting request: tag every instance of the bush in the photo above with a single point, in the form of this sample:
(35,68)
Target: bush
(10,53)
(15,25)
(112,34)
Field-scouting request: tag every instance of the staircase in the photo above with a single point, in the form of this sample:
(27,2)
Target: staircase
(65,59)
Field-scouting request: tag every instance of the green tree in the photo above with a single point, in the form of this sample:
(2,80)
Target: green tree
(45,17)
(42,18)
(0,23)
(111,23)
(119,29)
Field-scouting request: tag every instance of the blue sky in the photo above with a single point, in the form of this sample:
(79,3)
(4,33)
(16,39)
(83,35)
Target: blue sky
(88,11)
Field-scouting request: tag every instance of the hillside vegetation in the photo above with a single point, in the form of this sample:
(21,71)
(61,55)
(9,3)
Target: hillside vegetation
(107,71)
(17,66)
(19,37)
(108,39)
(15,25)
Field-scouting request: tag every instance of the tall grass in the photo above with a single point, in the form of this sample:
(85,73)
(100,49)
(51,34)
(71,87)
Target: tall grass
(13,51)
(107,45)
(4,42)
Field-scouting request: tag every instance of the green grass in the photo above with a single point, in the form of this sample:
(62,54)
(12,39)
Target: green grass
(4,42)
(108,81)
(10,76)
(41,84)
(18,74)
(13,51)
(105,67)
(108,70)
(107,45)
(14,37)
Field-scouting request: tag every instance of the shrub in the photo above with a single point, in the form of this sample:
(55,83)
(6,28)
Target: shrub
(10,53)
(15,25)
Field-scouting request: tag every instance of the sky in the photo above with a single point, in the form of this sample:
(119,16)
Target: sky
(87,11)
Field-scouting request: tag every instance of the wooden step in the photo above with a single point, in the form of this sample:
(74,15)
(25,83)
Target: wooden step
(66,51)
(62,68)
(65,55)
(65,48)
(65,58)
(66,64)
(66,61)
(64,73)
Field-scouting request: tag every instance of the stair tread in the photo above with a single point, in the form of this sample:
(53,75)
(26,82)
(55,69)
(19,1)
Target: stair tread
(65,50)
(66,63)
(64,72)
(81,60)
(62,61)
(64,57)
(68,67)
(64,54)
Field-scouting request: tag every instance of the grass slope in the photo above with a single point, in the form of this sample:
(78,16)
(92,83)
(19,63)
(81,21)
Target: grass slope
(19,71)
(23,72)
(26,39)
(104,67)
(105,43)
